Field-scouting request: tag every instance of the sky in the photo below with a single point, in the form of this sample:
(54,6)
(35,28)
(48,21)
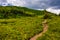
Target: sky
(49,5)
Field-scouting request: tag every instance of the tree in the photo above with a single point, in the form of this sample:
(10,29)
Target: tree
(47,15)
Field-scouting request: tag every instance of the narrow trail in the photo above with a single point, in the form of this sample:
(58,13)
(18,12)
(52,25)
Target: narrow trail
(45,28)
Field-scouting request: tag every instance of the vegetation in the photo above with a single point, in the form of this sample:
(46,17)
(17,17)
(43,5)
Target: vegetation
(20,23)
(17,23)
(53,32)
(13,12)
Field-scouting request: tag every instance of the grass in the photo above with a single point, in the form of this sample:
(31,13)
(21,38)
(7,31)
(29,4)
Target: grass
(20,28)
(53,32)
(20,23)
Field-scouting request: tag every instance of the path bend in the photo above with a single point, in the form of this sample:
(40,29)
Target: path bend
(45,28)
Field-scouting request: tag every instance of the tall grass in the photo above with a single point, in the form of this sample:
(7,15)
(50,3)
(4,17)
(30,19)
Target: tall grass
(53,32)
(20,28)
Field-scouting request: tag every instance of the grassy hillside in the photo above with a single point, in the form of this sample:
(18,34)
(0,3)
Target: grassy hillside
(13,12)
(53,32)
(20,23)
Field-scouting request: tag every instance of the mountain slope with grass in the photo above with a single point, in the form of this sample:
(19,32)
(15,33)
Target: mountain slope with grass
(53,32)
(13,11)
(21,23)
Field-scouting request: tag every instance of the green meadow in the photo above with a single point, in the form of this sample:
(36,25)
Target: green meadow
(20,23)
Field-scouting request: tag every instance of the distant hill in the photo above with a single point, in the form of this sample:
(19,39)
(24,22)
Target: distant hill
(10,11)
(13,11)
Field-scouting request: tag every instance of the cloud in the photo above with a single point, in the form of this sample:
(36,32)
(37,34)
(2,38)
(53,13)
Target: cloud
(16,2)
(38,4)
(35,4)
(55,3)
(53,10)
(3,0)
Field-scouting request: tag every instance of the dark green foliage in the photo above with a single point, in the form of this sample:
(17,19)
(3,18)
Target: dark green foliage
(47,16)
(13,12)
(59,14)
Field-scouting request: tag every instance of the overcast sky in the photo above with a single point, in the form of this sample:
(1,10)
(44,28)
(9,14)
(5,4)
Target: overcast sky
(34,4)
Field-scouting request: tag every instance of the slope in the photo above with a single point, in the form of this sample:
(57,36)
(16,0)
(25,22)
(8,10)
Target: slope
(53,32)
